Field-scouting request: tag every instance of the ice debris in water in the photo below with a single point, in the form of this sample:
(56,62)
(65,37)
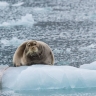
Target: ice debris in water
(92,46)
(18,4)
(56,50)
(47,77)
(13,42)
(91,66)
(40,10)
(26,20)
(3,3)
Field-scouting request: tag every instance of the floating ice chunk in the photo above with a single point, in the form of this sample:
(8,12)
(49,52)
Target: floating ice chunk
(28,19)
(47,77)
(40,10)
(5,24)
(3,3)
(92,46)
(93,17)
(13,42)
(83,16)
(91,66)
(56,50)
(18,4)
(4,41)
(25,20)
(68,50)
(64,35)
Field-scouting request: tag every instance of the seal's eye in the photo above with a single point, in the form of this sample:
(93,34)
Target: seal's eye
(34,43)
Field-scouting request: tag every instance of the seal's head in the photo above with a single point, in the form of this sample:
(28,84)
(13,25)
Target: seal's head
(32,48)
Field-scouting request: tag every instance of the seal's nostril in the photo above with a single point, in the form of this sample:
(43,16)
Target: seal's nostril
(33,47)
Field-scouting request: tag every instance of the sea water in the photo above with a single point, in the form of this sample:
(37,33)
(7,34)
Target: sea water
(67,26)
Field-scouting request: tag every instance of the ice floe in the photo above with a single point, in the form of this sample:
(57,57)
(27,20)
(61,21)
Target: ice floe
(48,77)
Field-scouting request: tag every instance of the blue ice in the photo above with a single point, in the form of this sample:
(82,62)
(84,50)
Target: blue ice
(48,77)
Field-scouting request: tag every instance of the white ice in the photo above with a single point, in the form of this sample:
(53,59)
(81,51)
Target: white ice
(90,47)
(91,66)
(48,77)
(3,3)
(57,50)
(42,10)
(18,4)
(26,20)
(12,42)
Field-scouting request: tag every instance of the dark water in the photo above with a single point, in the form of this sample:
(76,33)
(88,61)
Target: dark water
(67,26)
(49,32)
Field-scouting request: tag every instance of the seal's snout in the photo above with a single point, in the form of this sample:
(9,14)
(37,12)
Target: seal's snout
(33,48)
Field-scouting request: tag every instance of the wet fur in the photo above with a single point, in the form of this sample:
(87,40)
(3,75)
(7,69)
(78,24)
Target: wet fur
(43,56)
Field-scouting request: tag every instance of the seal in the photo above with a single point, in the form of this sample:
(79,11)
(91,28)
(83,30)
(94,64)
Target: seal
(33,52)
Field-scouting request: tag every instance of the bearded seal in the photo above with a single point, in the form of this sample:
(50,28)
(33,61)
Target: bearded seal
(33,52)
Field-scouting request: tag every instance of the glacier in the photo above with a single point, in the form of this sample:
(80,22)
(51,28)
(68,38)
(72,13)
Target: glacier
(37,77)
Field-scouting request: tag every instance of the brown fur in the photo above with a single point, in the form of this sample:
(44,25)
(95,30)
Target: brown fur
(33,52)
